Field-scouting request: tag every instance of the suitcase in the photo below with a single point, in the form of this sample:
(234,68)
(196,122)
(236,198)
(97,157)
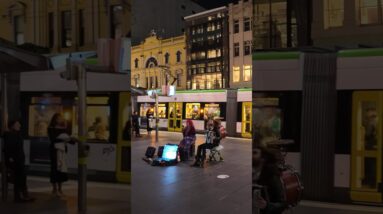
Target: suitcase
(150,151)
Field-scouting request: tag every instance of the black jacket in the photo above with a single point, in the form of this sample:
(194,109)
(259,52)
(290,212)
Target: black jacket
(274,193)
(14,147)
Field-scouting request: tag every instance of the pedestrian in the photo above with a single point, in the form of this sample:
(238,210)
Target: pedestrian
(213,138)
(59,137)
(136,123)
(15,161)
(189,137)
(149,117)
(267,175)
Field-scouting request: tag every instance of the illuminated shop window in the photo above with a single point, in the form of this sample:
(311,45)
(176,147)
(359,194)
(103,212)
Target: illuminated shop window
(40,116)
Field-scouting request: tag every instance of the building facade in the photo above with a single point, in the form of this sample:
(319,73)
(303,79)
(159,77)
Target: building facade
(149,58)
(168,21)
(347,24)
(240,40)
(281,24)
(208,49)
(65,26)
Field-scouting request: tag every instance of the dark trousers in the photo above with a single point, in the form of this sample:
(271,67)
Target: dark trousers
(201,150)
(20,181)
(137,130)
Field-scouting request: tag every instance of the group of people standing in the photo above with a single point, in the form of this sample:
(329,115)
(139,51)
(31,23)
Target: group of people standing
(15,157)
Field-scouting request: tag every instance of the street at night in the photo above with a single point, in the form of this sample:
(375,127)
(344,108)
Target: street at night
(103,198)
(184,189)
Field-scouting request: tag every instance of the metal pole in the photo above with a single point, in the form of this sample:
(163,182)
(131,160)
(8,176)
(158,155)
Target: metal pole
(157,119)
(4,115)
(82,168)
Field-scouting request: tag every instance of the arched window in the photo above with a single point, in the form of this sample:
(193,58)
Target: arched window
(136,63)
(167,55)
(152,62)
(178,56)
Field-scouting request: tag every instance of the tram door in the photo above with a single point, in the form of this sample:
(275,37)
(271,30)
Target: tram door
(246,119)
(175,117)
(123,170)
(366,155)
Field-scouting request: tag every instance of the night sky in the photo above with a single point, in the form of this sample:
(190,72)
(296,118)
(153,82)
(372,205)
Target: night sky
(210,4)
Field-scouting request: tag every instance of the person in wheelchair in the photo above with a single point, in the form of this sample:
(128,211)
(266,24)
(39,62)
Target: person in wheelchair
(213,138)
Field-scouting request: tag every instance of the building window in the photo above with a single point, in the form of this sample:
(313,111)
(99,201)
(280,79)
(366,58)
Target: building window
(370,12)
(236,49)
(147,82)
(236,26)
(136,63)
(246,48)
(19,29)
(167,55)
(178,56)
(81,30)
(246,24)
(116,21)
(236,74)
(136,82)
(275,25)
(178,76)
(334,13)
(51,31)
(152,62)
(247,73)
(66,29)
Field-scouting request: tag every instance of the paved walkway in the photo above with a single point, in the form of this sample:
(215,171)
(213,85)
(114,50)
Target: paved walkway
(103,198)
(184,189)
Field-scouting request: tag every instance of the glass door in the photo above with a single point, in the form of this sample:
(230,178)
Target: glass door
(175,117)
(366,155)
(246,119)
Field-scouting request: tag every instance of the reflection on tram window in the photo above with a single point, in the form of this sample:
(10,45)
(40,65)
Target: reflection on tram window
(370,122)
(267,122)
(161,111)
(369,179)
(211,111)
(39,118)
(144,108)
(193,111)
(98,118)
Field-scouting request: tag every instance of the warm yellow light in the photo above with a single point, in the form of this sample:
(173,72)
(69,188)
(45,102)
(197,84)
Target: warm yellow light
(67,115)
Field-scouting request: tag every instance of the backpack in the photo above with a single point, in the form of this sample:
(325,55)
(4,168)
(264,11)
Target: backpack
(222,132)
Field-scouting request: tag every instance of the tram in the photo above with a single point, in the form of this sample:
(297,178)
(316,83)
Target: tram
(277,107)
(199,106)
(44,93)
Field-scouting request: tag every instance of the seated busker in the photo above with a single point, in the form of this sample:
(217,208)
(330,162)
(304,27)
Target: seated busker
(213,138)
(188,137)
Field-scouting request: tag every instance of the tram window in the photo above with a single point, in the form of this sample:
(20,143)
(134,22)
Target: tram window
(39,118)
(211,111)
(193,111)
(267,122)
(98,119)
(161,111)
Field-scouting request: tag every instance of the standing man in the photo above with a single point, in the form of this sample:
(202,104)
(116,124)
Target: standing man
(15,160)
(136,123)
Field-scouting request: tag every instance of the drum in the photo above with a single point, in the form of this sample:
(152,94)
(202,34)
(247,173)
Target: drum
(292,185)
